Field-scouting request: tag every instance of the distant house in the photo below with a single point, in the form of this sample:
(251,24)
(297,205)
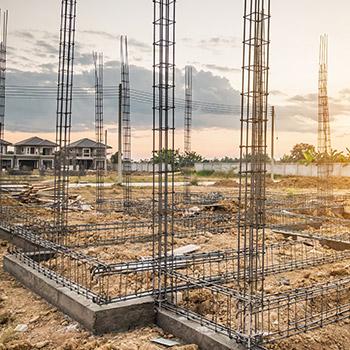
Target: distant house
(6,156)
(38,153)
(34,153)
(84,154)
(4,145)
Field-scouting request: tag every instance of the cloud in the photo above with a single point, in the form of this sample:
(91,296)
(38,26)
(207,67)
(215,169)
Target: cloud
(23,34)
(38,115)
(139,44)
(212,42)
(103,34)
(277,93)
(300,113)
(48,67)
(303,98)
(133,43)
(223,69)
(46,46)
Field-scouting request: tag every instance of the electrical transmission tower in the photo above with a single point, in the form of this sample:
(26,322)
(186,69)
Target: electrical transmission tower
(3,51)
(325,166)
(125,113)
(101,147)
(64,112)
(187,131)
(163,145)
(252,168)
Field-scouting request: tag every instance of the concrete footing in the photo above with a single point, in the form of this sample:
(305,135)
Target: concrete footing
(335,244)
(115,317)
(194,333)
(120,316)
(19,242)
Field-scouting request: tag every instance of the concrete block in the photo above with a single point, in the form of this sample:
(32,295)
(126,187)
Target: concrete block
(193,333)
(98,319)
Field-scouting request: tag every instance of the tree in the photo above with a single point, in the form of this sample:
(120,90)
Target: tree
(189,159)
(323,157)
(166,156)
(297,153)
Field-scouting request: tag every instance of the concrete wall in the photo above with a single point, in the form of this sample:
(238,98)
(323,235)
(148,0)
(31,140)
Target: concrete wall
(138,167)
(284,169)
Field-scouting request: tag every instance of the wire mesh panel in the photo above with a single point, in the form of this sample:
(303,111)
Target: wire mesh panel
(100,159)
(163,142)
(252,168)
(125,110)
(64,112)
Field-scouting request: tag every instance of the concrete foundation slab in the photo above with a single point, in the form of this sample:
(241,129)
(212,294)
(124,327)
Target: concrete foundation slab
(194,333)
(97,319)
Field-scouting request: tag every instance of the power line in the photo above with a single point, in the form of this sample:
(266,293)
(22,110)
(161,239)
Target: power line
(111,92)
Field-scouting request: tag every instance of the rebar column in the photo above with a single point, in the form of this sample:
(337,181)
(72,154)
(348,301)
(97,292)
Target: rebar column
(3,51)
(163,145)
(324,166)
(64,114)
(187,132)
(273,124)
(101,148)
(252,169)
(125,109)
(120,136)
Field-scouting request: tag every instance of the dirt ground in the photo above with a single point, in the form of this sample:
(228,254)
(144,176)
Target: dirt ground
(47,328)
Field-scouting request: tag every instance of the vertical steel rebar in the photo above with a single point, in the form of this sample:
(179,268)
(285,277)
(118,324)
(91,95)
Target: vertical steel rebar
(101,148)
(125,105)
(163,145)
(324,166)
(3,53)
(120,135)
(187,131)
(273,121)
(252,168)
(64,113)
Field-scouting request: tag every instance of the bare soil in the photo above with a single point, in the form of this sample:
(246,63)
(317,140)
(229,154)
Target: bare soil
(50,329)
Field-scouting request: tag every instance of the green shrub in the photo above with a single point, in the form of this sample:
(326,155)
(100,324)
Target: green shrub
(205,172)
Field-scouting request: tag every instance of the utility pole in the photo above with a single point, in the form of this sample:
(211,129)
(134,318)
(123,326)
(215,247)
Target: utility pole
(273,143)
(120,137)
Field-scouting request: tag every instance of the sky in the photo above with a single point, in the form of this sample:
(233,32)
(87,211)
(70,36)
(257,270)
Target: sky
(209,35)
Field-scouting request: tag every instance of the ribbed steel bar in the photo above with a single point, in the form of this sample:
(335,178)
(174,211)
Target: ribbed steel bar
(64,112)
(325,165)
(163,143)
(3,53)
(125,110)
(187,131)
(101,151)
(252,168)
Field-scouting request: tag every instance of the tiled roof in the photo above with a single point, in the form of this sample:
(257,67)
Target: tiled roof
(36,141)
(5,143)
(85,143)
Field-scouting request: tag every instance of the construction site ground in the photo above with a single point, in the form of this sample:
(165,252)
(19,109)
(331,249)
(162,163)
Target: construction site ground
(28,322)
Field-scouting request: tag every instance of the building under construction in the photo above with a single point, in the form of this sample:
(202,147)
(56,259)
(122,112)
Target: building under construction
(235,271)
